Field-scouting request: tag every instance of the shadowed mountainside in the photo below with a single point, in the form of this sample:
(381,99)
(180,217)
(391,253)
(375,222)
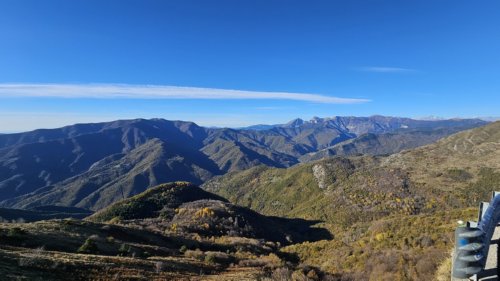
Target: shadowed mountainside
(184,206)
(173,231)
(94,165)
(42,213)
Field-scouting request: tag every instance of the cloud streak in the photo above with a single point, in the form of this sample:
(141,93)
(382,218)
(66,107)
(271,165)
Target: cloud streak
(112,91)
(383,69)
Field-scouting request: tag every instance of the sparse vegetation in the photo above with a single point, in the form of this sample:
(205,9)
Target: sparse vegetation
(391,217)
(375,218)
(223,235)
(159,201)
(458,174)
(89,247)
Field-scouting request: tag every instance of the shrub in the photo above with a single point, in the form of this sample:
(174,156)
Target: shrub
(196,254)
(299,276)
(16,235)
(89,247)
(312,274)
(282,274)
(15,232)
(123,250)
(252,263)
(458,174)
(205,212)
(210,258)
(183,249)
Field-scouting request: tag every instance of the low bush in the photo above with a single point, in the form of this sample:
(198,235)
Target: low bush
(196,254)
(89,247)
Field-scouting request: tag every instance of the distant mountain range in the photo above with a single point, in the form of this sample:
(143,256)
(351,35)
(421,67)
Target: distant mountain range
(335,189)
(338,195)
(93,165)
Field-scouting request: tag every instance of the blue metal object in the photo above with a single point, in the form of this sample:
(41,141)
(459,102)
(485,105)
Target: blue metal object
(469,257)
(473,243)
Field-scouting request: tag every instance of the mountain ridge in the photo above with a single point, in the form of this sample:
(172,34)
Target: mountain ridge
(393,216)
(88,165)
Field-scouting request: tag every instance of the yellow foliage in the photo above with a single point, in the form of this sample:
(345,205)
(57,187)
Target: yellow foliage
(380,236)
(180,211)
(205,212)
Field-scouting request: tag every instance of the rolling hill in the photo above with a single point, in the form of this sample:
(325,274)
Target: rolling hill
(185,206)
(400,207)
(173,231)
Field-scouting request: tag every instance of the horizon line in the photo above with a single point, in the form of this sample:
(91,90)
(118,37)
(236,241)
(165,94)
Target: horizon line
(488,119)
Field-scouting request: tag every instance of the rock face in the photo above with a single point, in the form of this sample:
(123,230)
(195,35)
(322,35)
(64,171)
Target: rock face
(319,173)
(93,165)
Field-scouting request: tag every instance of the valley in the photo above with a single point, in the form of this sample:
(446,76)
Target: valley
(93,165)
(249,140)
(364,210)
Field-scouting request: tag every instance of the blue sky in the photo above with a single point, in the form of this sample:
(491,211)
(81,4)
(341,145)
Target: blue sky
(63,62)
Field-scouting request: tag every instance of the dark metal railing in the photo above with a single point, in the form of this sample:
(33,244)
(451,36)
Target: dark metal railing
(472,240)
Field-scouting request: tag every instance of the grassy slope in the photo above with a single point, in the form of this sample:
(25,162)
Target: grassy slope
(48,250)
(455,166)
(355,189)
(173,231)
(181,205)
(412,199)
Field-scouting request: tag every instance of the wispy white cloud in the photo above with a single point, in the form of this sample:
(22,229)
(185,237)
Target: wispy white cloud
(111,91)
(384,69)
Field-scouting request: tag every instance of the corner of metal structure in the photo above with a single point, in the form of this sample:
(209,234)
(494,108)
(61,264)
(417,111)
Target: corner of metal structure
(482,210)
(495,193)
